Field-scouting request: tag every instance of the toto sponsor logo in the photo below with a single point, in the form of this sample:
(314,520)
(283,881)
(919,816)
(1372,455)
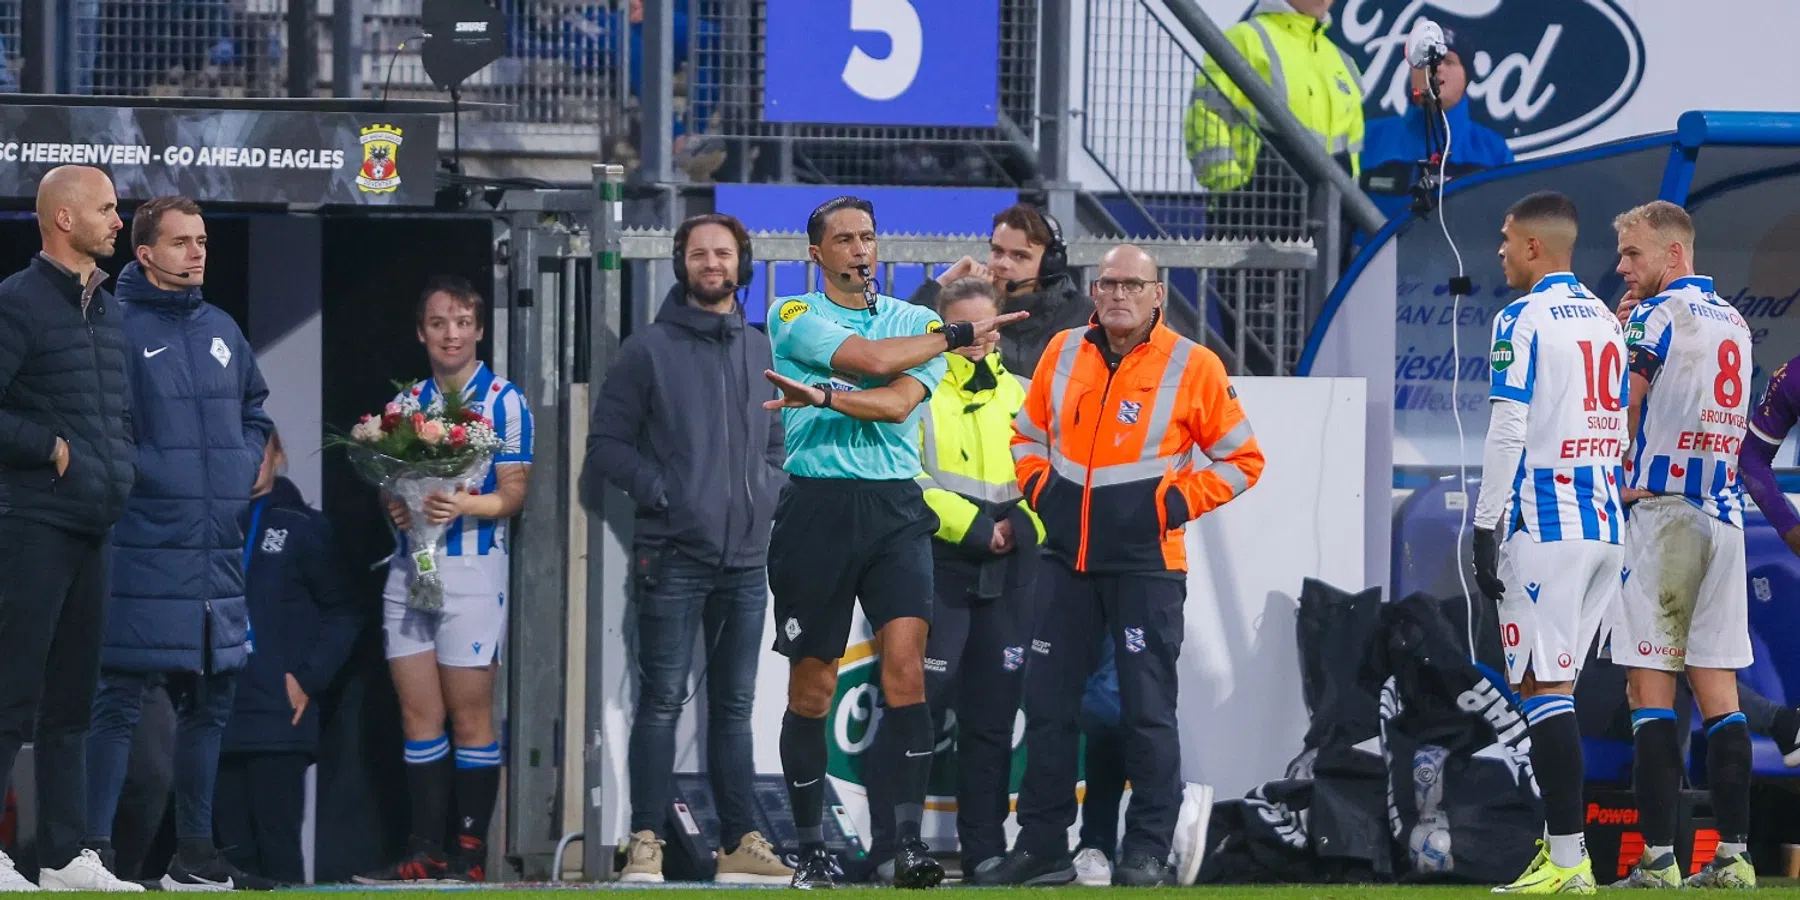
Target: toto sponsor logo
(1540,71)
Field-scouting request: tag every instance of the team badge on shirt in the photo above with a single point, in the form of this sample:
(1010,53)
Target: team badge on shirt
(1128,411)
(274,540)
(1011,658)
(1134,640)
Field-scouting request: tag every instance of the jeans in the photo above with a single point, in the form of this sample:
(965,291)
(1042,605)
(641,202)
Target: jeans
(676,599)
(202,704)
(52,614)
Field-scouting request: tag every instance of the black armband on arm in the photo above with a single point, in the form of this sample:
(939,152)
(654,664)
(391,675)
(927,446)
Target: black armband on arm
(958,335)
(1645,363)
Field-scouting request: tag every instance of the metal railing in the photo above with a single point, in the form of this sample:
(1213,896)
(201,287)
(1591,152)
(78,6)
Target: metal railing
(1142,73)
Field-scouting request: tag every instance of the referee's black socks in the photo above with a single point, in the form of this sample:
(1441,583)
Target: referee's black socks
(803,765)
(905,742)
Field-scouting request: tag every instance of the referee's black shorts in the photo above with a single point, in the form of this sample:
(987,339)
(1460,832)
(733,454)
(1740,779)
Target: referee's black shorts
(838,540)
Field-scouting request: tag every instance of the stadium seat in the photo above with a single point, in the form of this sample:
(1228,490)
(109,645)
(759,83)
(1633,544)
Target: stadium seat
(1425,531)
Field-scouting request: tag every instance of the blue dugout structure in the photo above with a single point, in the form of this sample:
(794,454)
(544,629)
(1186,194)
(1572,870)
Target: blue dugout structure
(1735,172)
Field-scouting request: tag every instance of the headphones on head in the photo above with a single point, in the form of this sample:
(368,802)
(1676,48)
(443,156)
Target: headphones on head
(1055,263)
(746,261)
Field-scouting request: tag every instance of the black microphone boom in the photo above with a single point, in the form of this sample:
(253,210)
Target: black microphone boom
(868,287)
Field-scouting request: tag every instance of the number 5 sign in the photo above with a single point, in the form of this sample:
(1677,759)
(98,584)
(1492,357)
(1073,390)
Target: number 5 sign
(883,62)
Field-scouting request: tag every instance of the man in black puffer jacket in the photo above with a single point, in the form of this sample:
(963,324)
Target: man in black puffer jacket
(178,586)
(66,465)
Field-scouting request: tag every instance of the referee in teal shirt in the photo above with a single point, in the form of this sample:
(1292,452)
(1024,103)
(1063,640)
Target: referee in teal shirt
(853,367)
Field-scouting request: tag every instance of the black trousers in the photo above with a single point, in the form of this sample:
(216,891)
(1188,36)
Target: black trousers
(1143,615)
(53,595)
(974,667)
(258,811)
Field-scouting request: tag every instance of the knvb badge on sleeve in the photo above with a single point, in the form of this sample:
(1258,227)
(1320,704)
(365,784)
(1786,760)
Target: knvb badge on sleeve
(883,62)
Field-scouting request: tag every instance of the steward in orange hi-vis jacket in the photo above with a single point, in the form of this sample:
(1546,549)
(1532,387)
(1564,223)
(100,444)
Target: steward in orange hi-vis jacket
(1118,455)
(1128,432)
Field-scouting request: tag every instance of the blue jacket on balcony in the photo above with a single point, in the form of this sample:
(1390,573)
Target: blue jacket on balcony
(197,398)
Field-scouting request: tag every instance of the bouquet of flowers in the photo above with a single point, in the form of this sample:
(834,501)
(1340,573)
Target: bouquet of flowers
(413,451)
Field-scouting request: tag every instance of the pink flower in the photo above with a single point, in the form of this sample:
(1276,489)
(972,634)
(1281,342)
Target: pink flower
(458,435)
(393,409)
(432,432)
(418,422)
(366,417)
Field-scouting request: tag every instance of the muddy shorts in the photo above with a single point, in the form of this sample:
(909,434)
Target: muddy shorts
(1684,601)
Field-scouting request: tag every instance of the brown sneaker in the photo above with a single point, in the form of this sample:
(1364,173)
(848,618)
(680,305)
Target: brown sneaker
(754,862)
(643,858)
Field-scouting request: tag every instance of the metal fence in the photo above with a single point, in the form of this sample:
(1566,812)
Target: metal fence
(564,87)
(721,98)
(1143,73)
(209,48)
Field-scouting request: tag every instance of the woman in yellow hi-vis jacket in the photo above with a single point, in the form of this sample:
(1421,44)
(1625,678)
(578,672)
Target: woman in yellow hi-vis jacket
(986,558)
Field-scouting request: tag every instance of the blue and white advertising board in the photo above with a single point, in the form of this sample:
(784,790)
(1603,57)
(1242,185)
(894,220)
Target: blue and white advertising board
(883,62)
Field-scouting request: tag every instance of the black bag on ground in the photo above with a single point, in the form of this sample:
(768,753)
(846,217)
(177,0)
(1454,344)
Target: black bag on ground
(1463,804)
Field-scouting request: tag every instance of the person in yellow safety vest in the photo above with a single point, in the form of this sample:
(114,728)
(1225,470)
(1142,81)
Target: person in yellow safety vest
(985,562)
(1285,42)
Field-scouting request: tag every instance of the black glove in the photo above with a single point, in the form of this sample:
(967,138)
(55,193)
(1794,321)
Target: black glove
(1487,565)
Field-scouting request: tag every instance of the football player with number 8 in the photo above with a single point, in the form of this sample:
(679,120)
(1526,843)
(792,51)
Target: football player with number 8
(1547,524)
(1684,605)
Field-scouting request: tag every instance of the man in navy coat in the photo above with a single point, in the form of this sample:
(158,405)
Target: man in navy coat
(178,584)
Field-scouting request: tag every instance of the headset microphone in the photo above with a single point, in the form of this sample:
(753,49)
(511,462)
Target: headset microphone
(1013,286)
(868,287)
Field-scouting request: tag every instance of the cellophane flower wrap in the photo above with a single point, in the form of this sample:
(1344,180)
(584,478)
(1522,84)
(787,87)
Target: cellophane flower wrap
(413,451)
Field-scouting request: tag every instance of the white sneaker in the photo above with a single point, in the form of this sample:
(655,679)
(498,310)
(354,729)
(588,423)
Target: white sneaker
(1188,849)
(10,879)
(86,873)
(1092,869)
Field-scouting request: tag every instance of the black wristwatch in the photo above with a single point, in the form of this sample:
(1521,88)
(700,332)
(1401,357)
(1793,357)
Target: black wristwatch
(825,403)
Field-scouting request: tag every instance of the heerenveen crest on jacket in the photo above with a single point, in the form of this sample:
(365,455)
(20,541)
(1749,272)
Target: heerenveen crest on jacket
(502,402)
(1560,352)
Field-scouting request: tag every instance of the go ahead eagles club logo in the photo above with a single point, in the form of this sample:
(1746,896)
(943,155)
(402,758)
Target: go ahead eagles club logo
(380,172)
(1540,71)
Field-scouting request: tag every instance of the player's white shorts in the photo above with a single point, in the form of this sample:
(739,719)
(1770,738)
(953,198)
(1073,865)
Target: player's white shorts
(1557,595)
(1684,601)
(468,631)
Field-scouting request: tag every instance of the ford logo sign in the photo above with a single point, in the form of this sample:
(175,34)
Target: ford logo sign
(1540,71)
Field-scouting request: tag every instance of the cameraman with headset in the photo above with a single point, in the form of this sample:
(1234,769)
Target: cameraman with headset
(1028,264)
(679,425)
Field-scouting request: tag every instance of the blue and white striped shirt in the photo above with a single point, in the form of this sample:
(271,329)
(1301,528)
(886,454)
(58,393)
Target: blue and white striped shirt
(502,402)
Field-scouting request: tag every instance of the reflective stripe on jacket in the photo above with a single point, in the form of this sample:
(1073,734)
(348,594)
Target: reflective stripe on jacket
(966,453)
(1319,81)
(1117,462)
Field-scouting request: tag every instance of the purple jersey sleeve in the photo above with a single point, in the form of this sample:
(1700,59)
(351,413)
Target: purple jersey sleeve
(1769,425)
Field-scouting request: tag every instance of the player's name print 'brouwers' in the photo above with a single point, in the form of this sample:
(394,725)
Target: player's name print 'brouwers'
(1695,349)
(1560,351)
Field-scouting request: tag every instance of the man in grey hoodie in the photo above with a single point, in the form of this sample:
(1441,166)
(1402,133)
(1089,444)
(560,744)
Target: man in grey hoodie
(679,426)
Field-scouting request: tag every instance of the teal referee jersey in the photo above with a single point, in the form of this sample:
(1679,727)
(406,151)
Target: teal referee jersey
(821,443)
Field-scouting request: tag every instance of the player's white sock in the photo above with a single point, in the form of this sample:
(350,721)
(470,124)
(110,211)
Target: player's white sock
(1567,850)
